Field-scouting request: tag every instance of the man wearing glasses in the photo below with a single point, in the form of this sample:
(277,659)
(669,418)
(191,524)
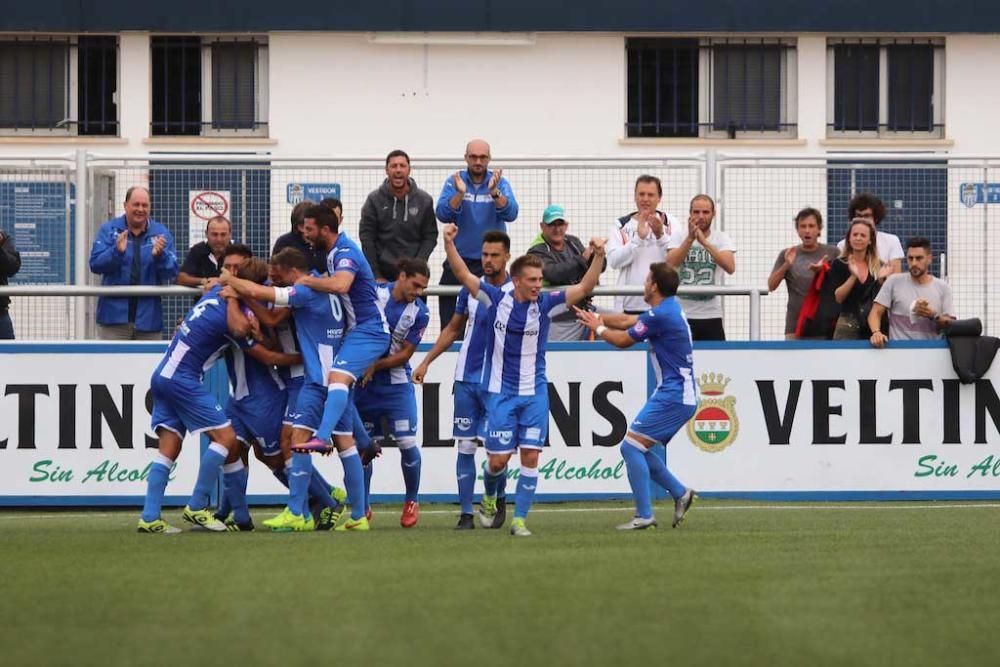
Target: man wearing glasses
(477,200)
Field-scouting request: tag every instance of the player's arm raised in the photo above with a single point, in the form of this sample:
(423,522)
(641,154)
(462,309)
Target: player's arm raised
(248,288)
(458,267)
(594,322)
(587,284)
(447,336)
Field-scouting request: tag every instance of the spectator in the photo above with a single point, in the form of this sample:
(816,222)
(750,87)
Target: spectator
(10,263)
(132,249)
(854,276)
(397,220)
(797,265)
(564,262)
(639,239)
(701,255)
(919,304)
(294,238)
(890,250)
(203,263)
(476,200)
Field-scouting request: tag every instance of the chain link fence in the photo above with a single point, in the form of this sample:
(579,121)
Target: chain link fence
(948,201)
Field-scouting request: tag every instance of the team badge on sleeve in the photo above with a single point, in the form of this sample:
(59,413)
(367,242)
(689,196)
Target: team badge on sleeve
(640,327)
(345,263)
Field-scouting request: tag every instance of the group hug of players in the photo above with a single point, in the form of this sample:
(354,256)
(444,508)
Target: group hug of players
(320,363)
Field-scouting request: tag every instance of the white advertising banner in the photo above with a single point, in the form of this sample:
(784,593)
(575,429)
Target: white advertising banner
(74,427)
(785,420)
(774,420)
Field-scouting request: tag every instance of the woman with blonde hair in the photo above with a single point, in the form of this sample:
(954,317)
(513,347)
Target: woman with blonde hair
(854,276)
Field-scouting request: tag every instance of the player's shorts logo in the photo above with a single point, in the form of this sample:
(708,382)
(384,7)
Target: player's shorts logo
(463,423)
(715,425)
(503,437)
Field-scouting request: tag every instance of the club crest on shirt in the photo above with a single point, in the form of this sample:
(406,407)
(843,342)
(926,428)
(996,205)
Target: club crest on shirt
(345,263)
(640,327)
(715,424)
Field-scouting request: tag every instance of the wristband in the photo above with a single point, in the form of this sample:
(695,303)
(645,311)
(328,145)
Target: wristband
(599,331)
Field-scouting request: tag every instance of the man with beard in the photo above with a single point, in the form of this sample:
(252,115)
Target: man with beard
(397,220)
(203,263)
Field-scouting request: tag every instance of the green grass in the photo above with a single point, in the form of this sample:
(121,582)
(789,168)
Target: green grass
(738,584)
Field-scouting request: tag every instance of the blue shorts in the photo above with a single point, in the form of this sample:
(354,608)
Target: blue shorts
(183,404)
(396,402)
(516,421)
(661,418)
(361,347)
(293,400)
(470,411)
(259,422)
(309,410)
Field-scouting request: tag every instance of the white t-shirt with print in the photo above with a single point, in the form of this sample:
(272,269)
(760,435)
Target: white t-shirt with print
(699,268)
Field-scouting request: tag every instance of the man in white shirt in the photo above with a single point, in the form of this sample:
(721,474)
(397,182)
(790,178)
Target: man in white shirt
(638,240)
(702,256)
(890,250)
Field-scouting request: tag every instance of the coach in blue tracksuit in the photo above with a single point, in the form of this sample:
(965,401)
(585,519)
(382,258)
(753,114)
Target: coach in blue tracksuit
(133,249)
(476,200)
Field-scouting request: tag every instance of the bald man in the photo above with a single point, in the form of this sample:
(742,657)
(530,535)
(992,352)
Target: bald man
(477,200)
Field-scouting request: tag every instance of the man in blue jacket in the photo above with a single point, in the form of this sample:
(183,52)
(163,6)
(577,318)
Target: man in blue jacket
(132,249)
(476,200)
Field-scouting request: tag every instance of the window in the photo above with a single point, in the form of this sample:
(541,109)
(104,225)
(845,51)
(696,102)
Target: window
(208,86)
(710,87)
(59,85)
(885,87)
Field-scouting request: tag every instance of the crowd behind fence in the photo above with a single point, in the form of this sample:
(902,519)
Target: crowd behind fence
(47,200)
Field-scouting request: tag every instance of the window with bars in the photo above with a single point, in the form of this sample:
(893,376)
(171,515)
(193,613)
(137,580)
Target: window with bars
(59,85)
(209,86)
(885,87)
(683,87)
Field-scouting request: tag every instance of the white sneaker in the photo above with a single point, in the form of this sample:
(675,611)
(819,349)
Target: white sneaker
(638,523)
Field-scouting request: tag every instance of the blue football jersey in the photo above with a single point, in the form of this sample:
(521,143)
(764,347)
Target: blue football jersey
(515,353)
(319,326)
(200,339)
(478,328)
(360,303)
(407,322)
(251,381)
(288,341)
(666,330)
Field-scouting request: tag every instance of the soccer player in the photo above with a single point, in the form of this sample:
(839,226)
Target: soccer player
(319,327)
(386,397)
(469,396)
(181,403)
(514,374)
(367,336)
(675,399)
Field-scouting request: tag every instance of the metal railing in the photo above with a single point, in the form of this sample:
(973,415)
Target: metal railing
(79,292)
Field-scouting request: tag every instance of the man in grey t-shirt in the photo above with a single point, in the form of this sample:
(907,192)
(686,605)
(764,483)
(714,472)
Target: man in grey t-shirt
(918,303)
(797,265)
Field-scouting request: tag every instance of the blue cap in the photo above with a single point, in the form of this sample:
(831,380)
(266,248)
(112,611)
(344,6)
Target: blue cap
(552,213)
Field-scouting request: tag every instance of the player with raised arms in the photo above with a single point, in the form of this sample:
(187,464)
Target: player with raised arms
(514,376)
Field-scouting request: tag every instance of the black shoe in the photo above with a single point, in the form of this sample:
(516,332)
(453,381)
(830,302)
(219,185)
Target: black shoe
(465,522)
(329,517)
(501,515)
(233,527)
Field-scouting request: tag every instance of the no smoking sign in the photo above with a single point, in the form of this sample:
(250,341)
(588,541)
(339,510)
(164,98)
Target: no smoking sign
(203,205)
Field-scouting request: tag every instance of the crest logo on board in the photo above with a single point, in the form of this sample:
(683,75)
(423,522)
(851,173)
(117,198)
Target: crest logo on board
(715,424)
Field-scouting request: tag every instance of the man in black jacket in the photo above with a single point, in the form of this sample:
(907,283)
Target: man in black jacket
(294,238)
(565,261)
(397,220)
(10,263)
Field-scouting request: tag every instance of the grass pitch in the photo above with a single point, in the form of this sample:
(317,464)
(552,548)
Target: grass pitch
(739,584)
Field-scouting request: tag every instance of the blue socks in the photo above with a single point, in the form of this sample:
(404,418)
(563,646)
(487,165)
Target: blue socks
(337,398)
(527,481)
(156,487)
(491,480)
(319,489)
(234,482)
(208,475)
(369,469)
(660,474)
(299,477)
(465,473)
(638,477)
(409,462)
(354,480)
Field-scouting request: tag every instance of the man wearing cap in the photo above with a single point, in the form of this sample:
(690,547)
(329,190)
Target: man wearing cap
(565,261)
